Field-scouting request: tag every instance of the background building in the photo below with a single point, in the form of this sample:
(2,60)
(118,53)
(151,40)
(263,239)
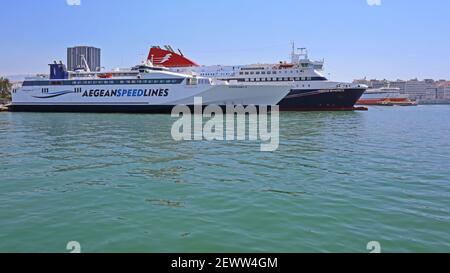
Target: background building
(423,91)
(74,57)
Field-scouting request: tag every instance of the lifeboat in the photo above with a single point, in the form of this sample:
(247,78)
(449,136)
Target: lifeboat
(105,75)
(286,65)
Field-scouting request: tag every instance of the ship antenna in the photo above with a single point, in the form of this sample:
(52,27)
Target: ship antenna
(293,52)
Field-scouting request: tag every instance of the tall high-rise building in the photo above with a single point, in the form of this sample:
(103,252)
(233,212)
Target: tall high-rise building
(75,58)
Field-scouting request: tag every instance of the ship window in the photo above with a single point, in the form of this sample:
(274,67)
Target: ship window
(128,82)
(274,72)
(241,73)
(268,72)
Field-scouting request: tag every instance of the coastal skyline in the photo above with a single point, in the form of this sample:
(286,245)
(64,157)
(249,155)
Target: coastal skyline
(364,38)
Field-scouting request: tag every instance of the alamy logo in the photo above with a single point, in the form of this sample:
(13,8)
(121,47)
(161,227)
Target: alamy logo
(73,2)
(229,126)
(374,2)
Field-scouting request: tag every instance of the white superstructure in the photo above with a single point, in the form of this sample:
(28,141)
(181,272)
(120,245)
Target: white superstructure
(310,90)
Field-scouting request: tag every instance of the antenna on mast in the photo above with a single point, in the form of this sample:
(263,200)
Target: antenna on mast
(295,56)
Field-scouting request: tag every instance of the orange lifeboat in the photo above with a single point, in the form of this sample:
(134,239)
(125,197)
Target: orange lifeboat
(105,75)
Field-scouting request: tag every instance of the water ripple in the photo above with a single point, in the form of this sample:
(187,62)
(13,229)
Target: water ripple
(120,183)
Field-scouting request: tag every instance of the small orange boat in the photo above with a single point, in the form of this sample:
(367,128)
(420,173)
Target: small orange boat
(385,96)
(105,75)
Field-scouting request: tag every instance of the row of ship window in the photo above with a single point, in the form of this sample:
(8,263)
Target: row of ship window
(156,81)
(106,82)
(283,79)
(265,72)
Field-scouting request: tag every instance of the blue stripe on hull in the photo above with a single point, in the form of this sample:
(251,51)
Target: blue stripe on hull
(93,108)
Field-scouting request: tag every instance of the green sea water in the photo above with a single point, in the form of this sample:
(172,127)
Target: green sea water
(119,183)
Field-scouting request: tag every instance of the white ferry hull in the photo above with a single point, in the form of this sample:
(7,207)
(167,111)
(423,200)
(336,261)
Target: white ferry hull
(140,98)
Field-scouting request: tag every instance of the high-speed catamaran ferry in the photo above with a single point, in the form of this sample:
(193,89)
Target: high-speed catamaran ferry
(142,89)
(309,89)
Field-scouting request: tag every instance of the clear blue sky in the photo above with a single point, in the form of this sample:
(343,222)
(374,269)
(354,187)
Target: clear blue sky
(397,39)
